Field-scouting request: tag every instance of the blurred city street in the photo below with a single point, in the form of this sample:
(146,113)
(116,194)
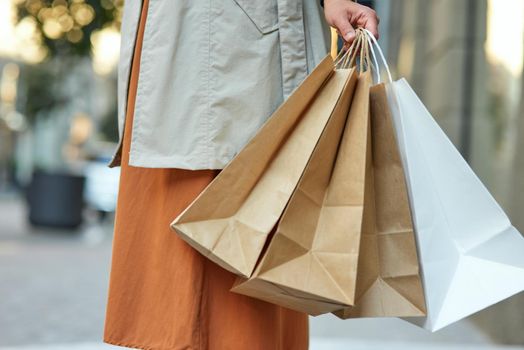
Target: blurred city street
(54,284)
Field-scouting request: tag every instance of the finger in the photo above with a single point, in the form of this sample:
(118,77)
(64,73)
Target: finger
(348,32)
(346,29)
(372,23)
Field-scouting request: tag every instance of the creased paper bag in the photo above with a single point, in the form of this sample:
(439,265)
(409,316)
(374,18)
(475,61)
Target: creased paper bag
(471,255)
(388,280)
(311,262)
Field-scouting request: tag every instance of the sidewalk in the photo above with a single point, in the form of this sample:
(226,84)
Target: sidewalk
(54,283)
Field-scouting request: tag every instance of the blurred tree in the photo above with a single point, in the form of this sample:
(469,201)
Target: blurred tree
(64,27)
(42,88)
(64,30)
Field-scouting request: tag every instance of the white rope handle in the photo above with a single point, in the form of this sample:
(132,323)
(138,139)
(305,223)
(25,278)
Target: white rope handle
(377,67)
(377,46)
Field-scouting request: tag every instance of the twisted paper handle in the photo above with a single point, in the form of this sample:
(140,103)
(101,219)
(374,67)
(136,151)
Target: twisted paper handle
(364,47)
(358,51)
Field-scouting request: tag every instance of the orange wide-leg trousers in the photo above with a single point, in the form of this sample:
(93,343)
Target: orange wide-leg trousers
(162,293)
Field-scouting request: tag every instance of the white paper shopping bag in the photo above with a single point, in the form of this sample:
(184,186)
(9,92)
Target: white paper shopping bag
(471,255)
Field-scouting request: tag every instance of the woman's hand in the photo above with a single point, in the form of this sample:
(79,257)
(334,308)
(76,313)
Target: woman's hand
(345,15)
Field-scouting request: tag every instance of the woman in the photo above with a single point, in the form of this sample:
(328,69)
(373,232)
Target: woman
(196,80)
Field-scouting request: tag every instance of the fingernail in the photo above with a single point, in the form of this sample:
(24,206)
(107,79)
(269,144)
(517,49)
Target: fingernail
(349,35)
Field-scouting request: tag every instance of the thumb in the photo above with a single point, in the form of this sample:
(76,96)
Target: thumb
(347,30)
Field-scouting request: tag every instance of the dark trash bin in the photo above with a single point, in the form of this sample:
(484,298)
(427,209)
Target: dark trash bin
(56,199)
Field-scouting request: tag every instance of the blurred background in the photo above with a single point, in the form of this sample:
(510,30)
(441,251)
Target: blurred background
(58,130)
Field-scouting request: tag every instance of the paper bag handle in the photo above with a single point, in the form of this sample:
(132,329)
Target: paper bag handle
(373,42)
(360,47)
(365,41)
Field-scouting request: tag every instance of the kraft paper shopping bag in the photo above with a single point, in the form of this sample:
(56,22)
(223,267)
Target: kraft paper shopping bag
(311,262)
(230,220)
(388,278)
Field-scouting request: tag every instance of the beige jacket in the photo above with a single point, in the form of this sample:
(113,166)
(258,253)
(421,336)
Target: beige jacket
(211,72)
